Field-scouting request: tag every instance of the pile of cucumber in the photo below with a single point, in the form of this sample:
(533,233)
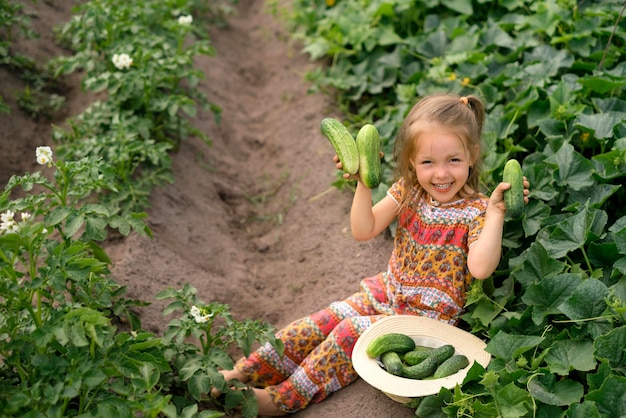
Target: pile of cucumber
(400,356)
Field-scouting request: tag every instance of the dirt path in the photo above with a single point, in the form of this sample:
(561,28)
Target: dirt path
(250,220)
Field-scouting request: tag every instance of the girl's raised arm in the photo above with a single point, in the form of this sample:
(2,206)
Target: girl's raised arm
(367,221)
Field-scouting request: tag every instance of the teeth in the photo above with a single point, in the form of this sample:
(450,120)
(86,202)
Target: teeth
(442,186)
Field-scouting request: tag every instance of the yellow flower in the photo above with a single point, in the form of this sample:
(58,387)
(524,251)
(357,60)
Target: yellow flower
(330,3)
(452,76)
(584,136)
(466,81)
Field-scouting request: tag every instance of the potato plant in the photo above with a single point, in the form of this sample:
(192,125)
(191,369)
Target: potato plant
(141,54)
(70,341)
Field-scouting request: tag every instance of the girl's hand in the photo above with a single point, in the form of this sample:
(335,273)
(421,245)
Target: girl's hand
(339,166)
(349,176)
(497,197)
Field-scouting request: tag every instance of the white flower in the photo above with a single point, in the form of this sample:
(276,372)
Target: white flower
(25,216)
(7,223)
(122,61)
(44,155)
(185,20)
(7,216)
(198,314)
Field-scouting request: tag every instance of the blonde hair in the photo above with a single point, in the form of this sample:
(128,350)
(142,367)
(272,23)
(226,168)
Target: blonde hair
(460,115)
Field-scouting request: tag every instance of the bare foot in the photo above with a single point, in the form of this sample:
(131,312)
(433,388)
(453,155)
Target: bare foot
(267,407)
(229,375)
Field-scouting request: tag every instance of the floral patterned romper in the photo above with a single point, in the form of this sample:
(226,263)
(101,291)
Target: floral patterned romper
(427,275)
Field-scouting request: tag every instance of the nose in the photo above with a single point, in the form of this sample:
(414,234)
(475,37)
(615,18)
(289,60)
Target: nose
(441,171)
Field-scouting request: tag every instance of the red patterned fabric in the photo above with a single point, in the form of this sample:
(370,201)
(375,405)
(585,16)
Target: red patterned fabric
(427,275)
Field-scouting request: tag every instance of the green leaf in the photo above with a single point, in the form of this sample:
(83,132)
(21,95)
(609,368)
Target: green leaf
(221,359)
(536,265)
(601,124)
(514,401)
(574,169)
(548,294)
(567,355)
(586,409)
(74,223)
(572,232)
(548,390)
(611,347)
(189,369)
(57,215)
(199,385)
(510,346)
(535,211)
(610,398)
(463,7)
(587,301)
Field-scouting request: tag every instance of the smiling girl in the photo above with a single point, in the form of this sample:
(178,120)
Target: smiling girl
(448,234)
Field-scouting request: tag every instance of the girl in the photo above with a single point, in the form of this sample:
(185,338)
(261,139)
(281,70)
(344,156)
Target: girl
(448,234)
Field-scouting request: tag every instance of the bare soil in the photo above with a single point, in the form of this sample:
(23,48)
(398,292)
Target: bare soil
(251,220)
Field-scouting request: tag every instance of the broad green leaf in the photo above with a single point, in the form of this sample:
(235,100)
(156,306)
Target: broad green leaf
(601,124)
(463,7)
(245,399)
(431,406)
(586,409)
(551,391)
(199,385)
(545,296)
(574,169)
(610,165)
(567,355)
(57,215)
(571,233)
(510,346)
(514,401)
(611,347)
(601,84)
(220,358)
(596,195)
(618,234)
(535,264)
(190,367)
(74,223)
(610,398)
(587,301)
(95,229)
(535,211)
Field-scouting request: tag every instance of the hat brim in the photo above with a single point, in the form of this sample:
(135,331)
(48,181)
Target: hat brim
(424,331)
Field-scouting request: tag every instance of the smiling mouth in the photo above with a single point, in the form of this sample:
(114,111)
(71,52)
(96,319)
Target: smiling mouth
(442,186)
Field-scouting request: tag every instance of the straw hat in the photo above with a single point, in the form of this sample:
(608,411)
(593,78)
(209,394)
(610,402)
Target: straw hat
(427,332)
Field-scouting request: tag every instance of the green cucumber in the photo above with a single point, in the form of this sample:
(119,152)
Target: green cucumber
(368,146)
(400,343)
(513,197)
(343,143)
(442,353)
(451,366)
(414,357)
(422,370)
(392,362)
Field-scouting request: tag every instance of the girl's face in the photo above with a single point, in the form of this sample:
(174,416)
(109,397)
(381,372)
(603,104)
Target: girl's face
(441,164)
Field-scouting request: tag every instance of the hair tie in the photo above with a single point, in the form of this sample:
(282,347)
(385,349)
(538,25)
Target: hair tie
(464,100)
